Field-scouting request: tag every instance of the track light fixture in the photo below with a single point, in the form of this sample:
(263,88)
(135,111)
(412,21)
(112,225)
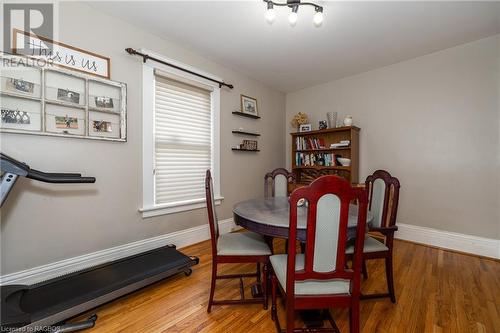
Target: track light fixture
(293,16)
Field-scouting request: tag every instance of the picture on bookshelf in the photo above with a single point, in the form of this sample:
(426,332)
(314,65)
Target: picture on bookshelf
(104,102)
(305,128)
(18,85)
(15,117)
(66,95)
(66,122)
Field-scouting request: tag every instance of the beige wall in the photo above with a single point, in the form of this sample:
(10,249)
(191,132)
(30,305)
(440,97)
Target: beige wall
(433,122)
(43,223)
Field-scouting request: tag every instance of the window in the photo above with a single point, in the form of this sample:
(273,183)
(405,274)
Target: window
(181,123)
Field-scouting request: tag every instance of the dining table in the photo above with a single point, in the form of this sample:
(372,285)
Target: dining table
(271,217)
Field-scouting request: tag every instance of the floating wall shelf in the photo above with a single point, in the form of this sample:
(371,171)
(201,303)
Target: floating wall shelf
(238,149)
(238,113)
(245,133)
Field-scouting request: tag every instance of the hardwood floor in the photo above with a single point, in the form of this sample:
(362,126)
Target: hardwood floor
(436,290)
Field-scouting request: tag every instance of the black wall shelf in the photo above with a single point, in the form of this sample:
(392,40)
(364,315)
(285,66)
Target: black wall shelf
(238,113)
(237,149)
(245,133)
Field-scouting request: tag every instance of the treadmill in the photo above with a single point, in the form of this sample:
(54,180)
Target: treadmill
(46,305)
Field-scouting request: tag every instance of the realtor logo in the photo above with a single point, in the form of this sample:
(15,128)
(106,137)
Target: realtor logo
(33,18)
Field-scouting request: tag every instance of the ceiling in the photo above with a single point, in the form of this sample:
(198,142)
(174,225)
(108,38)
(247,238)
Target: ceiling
(355,36)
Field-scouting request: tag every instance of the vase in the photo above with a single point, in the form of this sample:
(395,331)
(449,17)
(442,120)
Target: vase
(331,118)
(348,121)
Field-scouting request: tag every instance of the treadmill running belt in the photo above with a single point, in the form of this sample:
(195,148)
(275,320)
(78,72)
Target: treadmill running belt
(50,296)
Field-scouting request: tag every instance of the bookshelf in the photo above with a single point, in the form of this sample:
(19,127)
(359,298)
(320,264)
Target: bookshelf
(312,156)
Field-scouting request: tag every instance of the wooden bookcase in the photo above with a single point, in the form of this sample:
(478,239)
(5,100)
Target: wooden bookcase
(306,174)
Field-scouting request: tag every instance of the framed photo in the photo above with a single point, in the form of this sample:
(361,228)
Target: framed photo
(305,128)
(67,95)
(66,122)
(249,105)
(104,102)
(19,85)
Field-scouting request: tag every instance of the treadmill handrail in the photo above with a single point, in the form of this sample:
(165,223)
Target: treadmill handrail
(13,166)
(58,178)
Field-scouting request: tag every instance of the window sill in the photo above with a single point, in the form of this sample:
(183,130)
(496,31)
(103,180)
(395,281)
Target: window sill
(176,207)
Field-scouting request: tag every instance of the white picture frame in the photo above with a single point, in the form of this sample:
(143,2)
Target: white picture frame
(305,128)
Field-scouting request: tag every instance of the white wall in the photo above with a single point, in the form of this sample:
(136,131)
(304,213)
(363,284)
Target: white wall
(433,122)
(44,223)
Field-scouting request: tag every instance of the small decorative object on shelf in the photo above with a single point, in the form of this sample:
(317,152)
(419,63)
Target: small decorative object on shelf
(249,105)
(299,119)
(348,121)
(249,145)
(322,125)
(331,118)
(305,128)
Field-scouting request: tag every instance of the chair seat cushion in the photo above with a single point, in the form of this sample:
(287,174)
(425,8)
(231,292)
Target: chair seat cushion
(308,287)
(242,244)
(371,245)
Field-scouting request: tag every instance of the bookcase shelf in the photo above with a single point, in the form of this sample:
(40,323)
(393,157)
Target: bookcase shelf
(324,138)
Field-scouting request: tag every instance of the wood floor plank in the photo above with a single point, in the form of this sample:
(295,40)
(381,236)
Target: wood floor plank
(437,291)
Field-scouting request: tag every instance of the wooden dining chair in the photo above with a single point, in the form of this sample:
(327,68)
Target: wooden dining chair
(276,183)
(235,248)
(319,278)
(383,194)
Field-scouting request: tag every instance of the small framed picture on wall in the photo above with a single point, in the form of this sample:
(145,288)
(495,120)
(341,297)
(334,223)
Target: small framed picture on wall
(249,105)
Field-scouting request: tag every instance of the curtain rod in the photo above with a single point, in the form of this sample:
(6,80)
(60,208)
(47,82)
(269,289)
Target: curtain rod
(145,57)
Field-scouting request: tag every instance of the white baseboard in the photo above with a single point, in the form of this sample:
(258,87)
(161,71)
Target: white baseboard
(449,240)
(180,239)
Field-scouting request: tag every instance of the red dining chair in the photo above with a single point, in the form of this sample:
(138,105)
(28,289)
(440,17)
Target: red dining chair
(232,248)
(277,181)
(383,194)
(319,278)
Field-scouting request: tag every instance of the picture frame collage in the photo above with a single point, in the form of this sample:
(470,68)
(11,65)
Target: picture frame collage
(61,102)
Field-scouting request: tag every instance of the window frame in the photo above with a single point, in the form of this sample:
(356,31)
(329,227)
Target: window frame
(149,207)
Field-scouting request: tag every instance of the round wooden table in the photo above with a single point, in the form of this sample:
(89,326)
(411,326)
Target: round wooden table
(271,217)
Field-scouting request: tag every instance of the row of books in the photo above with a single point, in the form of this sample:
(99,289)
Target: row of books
(319,159)
(302,143)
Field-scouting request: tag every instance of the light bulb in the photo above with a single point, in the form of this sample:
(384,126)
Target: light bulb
(270,15)
(318,18)
(292,18)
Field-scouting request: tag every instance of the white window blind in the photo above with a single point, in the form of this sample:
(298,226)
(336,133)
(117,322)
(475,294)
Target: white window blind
(183,141)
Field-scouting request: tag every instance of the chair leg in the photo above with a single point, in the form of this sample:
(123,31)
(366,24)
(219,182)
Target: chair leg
(212,286)
(264,285)
(290,318)
(390,278)
(274,312)
(354,317)
(363,268)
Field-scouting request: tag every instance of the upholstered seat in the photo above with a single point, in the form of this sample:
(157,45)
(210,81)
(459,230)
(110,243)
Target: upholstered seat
(371,245)
(242,244)
(309,287)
